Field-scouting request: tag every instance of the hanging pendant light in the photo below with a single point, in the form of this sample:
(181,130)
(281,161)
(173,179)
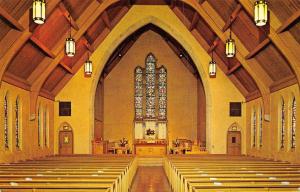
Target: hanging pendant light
(88,67)
(230,46)
(39,11)
(212,67)
(70,43)
(260,12)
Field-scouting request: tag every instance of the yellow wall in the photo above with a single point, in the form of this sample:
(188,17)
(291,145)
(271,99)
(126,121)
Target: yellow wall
(271,141)
(81,91)
(29,145)
(119,91)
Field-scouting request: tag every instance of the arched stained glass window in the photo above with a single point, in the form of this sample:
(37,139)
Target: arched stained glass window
(6,126)
(17,123)
(138,98)
(282,124)
(254,128)
(150,86)
(260,127)
(293,124)
(45,128)
(39,127)
(162,93)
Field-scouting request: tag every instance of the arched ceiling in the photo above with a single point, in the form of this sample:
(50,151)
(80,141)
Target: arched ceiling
(32,56)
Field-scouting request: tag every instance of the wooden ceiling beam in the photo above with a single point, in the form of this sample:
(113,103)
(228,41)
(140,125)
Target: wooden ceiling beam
(288,22)
(42,47)
(46,94)
(233,69)
(87,44)
(253,95)
(16,81)
(12,21)
(214,45)
(195,21)
(258,48)
(285,82)
(106,20)
(287,44)
(87,18)
(66,67)
(232,17)
(68,15)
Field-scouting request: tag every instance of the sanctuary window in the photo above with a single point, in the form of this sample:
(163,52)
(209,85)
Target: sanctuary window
(260,127)
(39,127)
(282,125)
(293,124)
(254,129)
(45,128)
(150,100)
(17,123)
(6,136)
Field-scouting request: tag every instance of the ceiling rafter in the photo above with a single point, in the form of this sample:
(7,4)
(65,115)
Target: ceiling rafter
(12,21)
(214,45)
(42,47)
(232,17)
(288,45)
(66,67)
(194,21)
(68,15)
(284,26)
(233,69)
(106,20)
(20,39)
(258,48)
(258,74)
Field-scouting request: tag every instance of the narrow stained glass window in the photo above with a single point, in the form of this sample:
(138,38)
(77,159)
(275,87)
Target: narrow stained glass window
(282,125)
(254,129)
(293,124)
(260,127)
(6,136)
(17,123)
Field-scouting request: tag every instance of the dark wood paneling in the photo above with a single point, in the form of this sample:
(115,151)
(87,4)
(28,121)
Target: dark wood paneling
(246,79)
(76,7)
(224,8)
(274,63)
(25,61)
(16,8)
(54,78)
(95,30)
(53,30)
(283,9)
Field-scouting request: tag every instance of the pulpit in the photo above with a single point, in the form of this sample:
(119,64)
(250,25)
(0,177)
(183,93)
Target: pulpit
(99,147)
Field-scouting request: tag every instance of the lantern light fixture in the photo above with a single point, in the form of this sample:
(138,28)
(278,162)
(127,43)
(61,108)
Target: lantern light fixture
(88,67)
(212,67)
(70,43)
(260,12)
(39,11)
(230,46)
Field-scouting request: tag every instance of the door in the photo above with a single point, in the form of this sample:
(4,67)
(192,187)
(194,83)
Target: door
(65,142)
(234,143)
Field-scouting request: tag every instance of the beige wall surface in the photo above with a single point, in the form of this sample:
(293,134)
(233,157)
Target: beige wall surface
(28,129)
(119,91)
(219,91)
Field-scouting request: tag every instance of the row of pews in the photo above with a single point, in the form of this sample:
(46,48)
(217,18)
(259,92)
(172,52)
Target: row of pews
(218,173)
(69,174)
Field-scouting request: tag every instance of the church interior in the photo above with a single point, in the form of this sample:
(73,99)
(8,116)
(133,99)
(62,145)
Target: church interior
(149,95)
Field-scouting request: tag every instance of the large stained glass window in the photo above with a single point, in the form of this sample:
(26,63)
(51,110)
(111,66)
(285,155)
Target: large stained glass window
(282,124)
(260,127)
(150,86)
(138,99)
(6,136)
(254,129)
(162,93)
(293,124)
(17,123)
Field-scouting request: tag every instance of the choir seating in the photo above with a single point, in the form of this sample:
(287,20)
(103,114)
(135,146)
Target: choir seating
(69,174)
(218,173)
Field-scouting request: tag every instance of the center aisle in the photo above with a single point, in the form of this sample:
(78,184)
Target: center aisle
(150,179)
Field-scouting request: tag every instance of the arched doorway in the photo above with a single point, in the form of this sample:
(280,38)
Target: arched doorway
(65,139)
(234,140)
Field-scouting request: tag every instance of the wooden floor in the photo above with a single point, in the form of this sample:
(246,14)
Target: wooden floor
(150,179)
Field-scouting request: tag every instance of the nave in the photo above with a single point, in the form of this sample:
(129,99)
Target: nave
(213,173)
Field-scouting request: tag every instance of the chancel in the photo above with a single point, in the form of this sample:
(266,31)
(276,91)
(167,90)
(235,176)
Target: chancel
(149,95)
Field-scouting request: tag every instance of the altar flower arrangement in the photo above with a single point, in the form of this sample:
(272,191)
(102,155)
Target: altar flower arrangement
(150,132)
(123,142)
(176,143)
